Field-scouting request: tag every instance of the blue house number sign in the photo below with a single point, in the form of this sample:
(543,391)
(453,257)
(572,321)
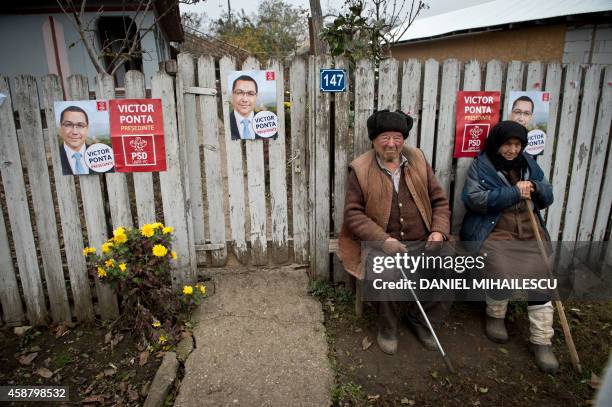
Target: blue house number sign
(333,80)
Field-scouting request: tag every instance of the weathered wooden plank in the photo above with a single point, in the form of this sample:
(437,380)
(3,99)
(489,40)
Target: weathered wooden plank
(299,173)
(116,183)
(387,84)
(430,103)
(212,161)
(191,139)
(143,181)
(93,209)
(19,216)
(9,291)
(554,73)
(598,160)
(571,93)
(341,154)
(364,105)
(173,198)
(582,151)
(605,203)
(321,176)
(184,147)
(514,81)
(68,207)
(535,76)
(235,173)
(451,71)
(310,146)
(472,80)
(411,97)
(26,92)
(278,182)
(256,190)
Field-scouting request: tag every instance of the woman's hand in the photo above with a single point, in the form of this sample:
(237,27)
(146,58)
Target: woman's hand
(525,188)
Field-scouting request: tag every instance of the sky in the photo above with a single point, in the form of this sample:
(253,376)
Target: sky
(215,8)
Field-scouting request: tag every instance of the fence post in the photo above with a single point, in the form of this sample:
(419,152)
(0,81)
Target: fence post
(430,103)
(364,105)
(9,291)
(411,97)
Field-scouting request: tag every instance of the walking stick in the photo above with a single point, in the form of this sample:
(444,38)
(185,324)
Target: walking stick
(445,357)
(560,310)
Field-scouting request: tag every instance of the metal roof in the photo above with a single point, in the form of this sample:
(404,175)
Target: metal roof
(498,12)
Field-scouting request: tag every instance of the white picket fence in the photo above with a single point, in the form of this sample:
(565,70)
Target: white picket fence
(215,192)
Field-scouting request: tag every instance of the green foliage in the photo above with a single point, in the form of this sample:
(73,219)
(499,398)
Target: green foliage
(347,392)
(366,29)
(275,31)
(323,290)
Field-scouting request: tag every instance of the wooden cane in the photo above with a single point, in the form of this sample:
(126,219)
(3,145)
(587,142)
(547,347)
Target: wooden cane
(558,304)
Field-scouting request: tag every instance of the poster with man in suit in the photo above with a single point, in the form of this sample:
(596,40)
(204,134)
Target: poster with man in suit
(252,96)
(84,137)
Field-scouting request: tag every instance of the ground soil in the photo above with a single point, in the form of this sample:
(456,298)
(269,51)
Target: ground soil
(99,368)
(488,374)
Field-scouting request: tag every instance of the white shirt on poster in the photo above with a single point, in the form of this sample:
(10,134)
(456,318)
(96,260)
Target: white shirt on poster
(239,119)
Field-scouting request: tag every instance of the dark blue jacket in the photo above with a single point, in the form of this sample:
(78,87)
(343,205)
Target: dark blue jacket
(487,193)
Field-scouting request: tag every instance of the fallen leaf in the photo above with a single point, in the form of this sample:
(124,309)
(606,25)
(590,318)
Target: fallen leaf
(108,337)
(143,358)
(366,343)
(503,350)
(483,390)
(407,402)
(44,372)
(94,399)
(374,397)
(357,330)
(133,395)
(116,340)
(60,330)
(123,386)
(109,372)
(593,381)
(27,359)
(435,374)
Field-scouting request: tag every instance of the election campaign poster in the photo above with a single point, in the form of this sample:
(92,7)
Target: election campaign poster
(84,137)
(137,134)
(477,112)
(252,112)
(531,110)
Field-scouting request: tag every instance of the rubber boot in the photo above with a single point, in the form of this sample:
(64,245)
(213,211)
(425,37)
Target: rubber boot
(495,327)
(387,328)
(541,333)
(425,336)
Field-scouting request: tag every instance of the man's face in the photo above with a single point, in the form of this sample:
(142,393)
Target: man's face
(74,129)
(244,97)
(522,112)
(388,145)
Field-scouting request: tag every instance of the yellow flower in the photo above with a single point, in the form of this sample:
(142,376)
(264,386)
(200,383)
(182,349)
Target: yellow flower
(147,230)
(122,266)
(202,288)
(156,324)
(88,250)
(119,235)
(159,250)
(167,229)
(157,225)
(162,339)
(101,272)
(106,247)
(287,105)
(110,262)
(173,254)
(187,290)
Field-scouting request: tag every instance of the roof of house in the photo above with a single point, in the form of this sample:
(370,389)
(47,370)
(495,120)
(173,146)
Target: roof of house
(497,13)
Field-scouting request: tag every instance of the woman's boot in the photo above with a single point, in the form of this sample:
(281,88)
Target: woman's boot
(541,333)
(495,327)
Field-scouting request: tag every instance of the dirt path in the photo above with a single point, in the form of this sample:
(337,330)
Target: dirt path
(260,341)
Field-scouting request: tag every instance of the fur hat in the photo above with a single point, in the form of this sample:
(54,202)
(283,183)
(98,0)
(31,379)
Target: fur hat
(384,120)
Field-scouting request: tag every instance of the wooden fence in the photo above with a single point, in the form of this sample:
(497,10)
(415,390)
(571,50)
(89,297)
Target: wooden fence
(263,202)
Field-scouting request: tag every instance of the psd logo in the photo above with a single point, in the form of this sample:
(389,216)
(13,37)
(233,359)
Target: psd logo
(545,97)
(474,136)
(101,106)
(270,75)
(139,150)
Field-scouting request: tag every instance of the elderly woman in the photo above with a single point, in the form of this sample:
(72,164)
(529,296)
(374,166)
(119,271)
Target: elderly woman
(503,185)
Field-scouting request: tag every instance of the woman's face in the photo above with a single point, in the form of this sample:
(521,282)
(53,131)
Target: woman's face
(510,149)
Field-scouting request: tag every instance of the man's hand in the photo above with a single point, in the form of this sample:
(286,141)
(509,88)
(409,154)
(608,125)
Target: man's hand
(433,238)
(392,246)
(525,188)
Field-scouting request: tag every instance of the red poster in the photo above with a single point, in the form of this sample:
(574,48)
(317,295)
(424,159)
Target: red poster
(477,112)
(137,135)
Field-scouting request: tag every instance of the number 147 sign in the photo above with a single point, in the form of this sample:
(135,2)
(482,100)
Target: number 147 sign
(333,80)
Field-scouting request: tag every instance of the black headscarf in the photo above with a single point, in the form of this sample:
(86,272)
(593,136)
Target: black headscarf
(500,133)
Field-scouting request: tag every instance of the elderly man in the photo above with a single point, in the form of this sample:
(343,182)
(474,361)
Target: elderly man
(392,196)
